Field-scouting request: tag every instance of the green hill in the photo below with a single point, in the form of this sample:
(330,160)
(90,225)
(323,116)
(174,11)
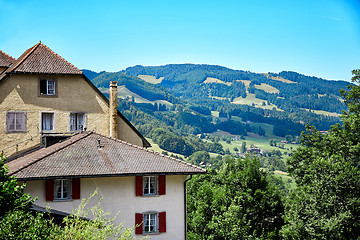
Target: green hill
(183,96)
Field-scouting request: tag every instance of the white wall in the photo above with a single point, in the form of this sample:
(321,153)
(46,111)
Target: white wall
(119,195)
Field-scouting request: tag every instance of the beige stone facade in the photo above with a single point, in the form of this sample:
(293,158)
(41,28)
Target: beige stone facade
(74,93)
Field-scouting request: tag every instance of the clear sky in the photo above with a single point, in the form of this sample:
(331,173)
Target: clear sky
(313,37)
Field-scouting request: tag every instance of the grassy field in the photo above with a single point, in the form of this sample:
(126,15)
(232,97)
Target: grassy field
(151,79)
(267,88)
(215,80)
(286,178)
(251,100)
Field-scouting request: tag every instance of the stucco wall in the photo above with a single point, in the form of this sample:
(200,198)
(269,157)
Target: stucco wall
(20,92)
(119,196)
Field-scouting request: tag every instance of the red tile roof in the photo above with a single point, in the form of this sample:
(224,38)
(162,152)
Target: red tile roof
(6,60)
(41,59)
(80,156)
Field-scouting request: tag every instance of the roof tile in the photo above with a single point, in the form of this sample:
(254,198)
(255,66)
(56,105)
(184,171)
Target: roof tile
(41,59)
(6,60)
(81,155)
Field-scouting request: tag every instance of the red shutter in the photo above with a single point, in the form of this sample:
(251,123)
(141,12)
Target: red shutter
(162,222)
(49,190)
(139,186)
(76,188)
(162,185)
(138,223)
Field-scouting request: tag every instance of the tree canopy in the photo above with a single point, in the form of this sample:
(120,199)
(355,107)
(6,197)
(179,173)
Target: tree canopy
(235,202)
(326,204)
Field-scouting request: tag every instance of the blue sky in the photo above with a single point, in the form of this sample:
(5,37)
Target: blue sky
(317,38)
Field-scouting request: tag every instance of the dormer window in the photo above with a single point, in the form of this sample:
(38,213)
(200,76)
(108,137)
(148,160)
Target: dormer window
(47,87)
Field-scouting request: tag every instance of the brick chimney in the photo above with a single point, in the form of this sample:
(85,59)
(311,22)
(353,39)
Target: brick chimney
(113,109)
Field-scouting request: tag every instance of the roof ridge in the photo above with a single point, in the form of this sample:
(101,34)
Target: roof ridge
(71,142)
(22,59)
(60,57)
(151,151)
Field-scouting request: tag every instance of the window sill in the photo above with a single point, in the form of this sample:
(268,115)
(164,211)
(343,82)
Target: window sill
(9,132)
(154,233)
(63,200)
(48,96)
(150,195)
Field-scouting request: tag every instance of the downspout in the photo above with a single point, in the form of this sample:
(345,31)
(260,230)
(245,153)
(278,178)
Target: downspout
(113,109)
(185,207)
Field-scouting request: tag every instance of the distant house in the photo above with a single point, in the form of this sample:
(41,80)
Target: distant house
(65,139)
(254,150)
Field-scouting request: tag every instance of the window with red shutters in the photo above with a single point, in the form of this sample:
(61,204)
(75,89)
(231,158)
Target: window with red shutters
(150,185)
(59,189)
(150,223)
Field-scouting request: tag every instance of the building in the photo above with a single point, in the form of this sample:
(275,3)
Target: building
(44,97)
(48,107)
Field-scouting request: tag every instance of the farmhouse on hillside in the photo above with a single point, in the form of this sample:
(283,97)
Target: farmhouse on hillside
(65,139)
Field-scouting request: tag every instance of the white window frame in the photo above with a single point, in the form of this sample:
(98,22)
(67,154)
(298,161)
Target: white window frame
(53,122)
(62,184)
(51,85)
(77,123)
(153,215)
(147,185)
(23,123)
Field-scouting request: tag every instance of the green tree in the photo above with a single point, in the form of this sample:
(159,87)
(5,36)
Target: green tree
(235,202)
(11,194)
(198,157)
(243,147)
(326,204)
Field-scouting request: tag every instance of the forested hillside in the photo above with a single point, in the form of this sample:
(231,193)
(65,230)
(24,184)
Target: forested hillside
(214,94)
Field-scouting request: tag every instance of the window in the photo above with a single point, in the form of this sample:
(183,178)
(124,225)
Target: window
(47,87)
(16,122)
(62,189)
(77,121)
(150,185)
(150,222)
(47,121)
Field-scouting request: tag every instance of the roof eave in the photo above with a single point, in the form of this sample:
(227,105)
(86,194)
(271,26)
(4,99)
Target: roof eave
(112,175)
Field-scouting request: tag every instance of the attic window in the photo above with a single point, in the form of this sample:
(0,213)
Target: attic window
(47,87)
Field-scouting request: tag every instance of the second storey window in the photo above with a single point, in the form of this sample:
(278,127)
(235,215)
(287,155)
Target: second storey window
(77,121)
(150,185)
(47,121)
(16,122)
(47,87)
(62,189)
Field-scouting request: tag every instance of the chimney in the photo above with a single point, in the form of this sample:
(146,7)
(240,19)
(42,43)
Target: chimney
(113,109)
